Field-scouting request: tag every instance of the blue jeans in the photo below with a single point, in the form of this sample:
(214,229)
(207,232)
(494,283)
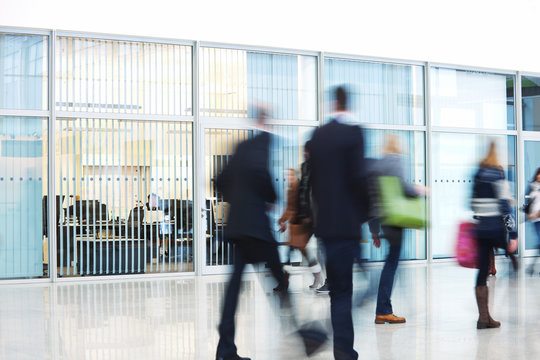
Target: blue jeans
(340,254)
(394,237)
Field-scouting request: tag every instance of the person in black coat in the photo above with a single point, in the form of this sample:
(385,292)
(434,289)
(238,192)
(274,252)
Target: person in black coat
(338,178)
(247,186)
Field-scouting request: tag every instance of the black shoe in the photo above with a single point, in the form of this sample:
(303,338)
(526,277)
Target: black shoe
(323,289)
(283,287)
(234,357)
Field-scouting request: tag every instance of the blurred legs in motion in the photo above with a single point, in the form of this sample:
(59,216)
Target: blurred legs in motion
(340,255)
(384,312)
(252,251)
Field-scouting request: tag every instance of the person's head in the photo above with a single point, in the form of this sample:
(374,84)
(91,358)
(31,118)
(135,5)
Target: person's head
(392,145)
(262,115)
(340,98)
(307,147)
(537,175)
(291,175)
(491,160)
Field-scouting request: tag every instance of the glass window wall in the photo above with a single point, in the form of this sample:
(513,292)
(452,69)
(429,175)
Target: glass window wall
(234,82)
(125,195)
(379,93)
(472,99)
(23,197)
(531,155)
(455,160)
(412,145)
(23,72)
(530,102)
(123,77)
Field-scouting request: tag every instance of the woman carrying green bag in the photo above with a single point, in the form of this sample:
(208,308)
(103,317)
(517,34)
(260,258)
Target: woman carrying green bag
(390,166)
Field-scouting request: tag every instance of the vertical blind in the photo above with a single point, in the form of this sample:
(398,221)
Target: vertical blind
(379,93)
(235,82)
(123,77)
(125,195)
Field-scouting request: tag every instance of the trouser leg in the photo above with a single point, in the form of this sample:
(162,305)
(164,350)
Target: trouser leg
(386,283)
(340,256)
(226,346)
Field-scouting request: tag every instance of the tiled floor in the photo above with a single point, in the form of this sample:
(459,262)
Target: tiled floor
(177,318)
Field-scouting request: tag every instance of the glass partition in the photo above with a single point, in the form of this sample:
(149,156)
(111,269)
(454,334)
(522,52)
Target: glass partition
(234,82)
(455,159)
(412,145)
(472,99)
(23,197)
(125,77)
(379,93)
(23,72)
(125,194)
(531,155)
(530,102)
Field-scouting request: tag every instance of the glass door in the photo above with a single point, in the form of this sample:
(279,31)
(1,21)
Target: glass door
(531,156)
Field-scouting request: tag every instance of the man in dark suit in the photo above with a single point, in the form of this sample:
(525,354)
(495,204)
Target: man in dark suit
(341,206)
(247,186)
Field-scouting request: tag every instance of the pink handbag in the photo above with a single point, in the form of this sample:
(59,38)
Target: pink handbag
(466,246)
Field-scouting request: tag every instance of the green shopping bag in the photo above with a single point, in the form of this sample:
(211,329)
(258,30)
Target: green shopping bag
(396,208)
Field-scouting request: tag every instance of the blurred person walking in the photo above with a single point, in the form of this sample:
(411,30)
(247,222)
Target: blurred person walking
(391,164)
(533,209)
(290,215)
(491,204)
(247,186)
(340,207)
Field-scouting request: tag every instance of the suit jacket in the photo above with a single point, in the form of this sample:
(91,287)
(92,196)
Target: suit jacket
(338,179)
(247,186)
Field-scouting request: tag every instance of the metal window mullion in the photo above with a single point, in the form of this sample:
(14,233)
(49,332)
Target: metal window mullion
(184,203)
(93,180)
(175,178)
(126,213)
(51,163)
(115,223)
(134,205)
(520,158)
(100,198)
(220,163)
(428,159)
(138,205)
(169,225)
(149,205)
(87,201)
(107,185)
(162,180)
(145,179)
(211,138)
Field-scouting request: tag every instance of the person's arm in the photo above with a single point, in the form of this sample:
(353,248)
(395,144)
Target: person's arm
(502,189)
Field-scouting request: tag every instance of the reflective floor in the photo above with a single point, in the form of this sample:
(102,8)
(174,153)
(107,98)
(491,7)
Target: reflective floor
(177,318)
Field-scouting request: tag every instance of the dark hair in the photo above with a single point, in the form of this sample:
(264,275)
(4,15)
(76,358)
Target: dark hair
(307,146)
(340,94)
(536,175)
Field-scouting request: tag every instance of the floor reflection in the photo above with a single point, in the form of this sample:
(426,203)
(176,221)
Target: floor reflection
(177,318)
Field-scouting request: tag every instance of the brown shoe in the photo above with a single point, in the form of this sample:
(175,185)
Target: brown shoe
(390,318)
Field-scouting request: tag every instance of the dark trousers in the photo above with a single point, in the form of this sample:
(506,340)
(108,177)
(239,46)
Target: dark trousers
(394,236)
(537,228)
(246,251)
(340,254)
(485,247)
